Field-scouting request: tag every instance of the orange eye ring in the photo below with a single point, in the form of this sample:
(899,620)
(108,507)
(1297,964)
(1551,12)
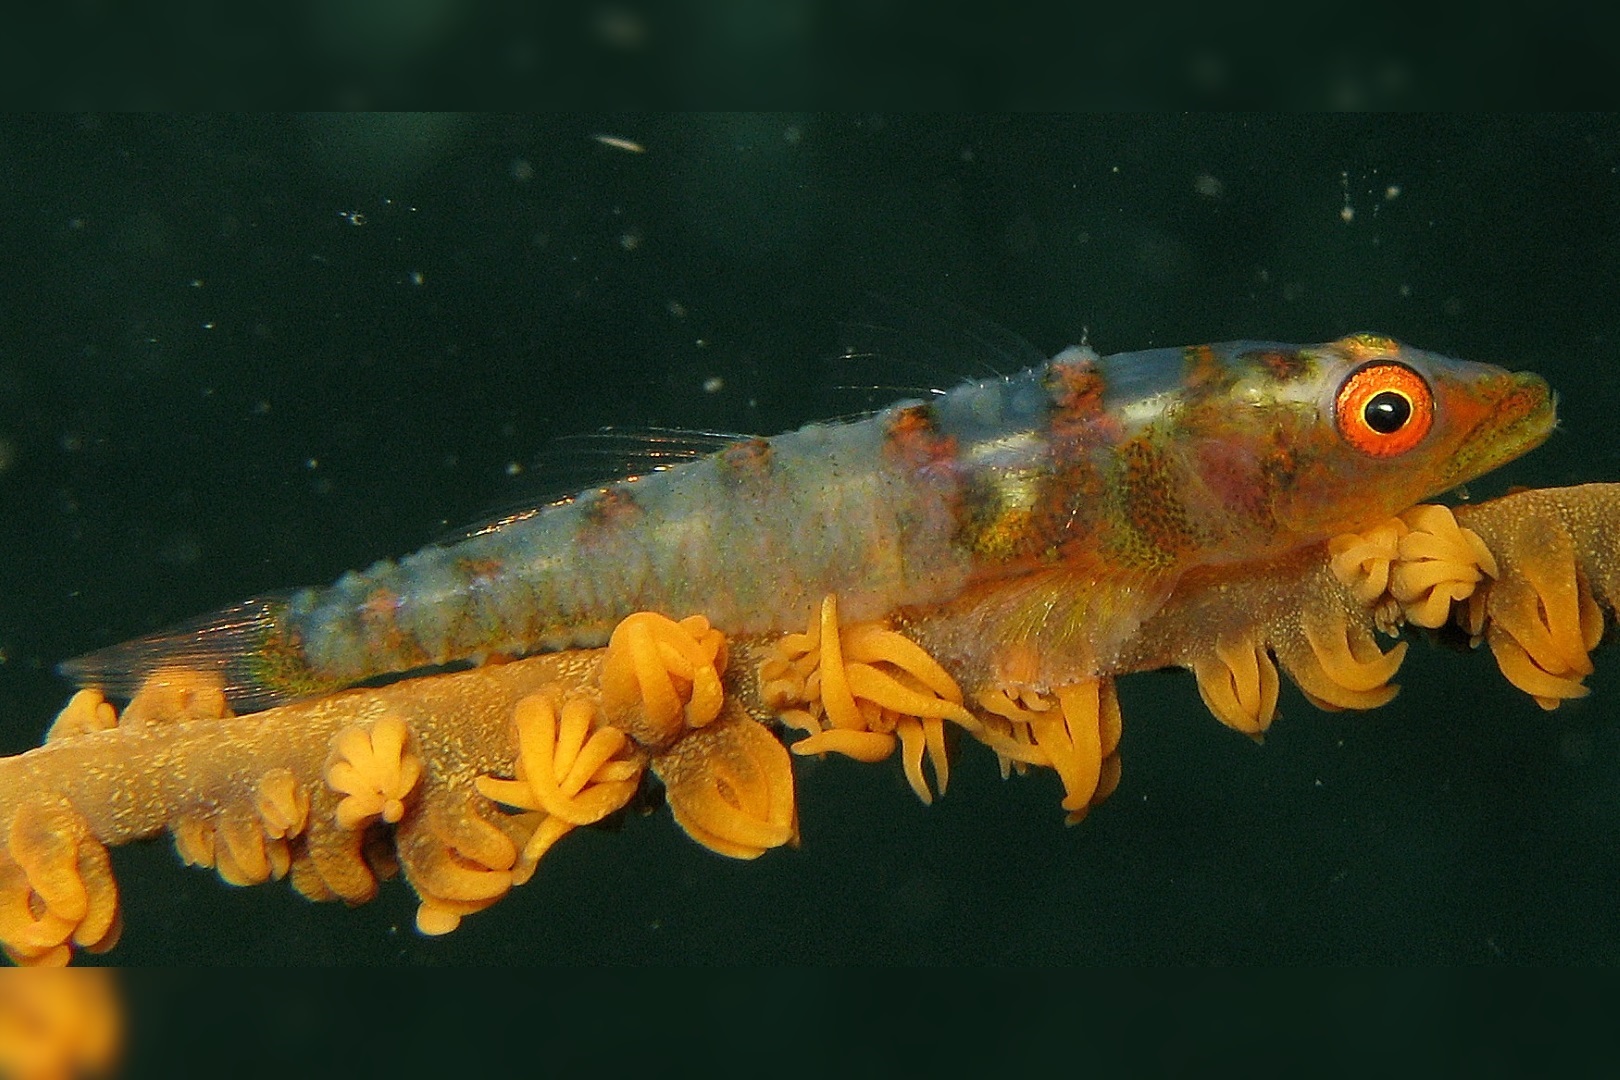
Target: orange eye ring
(1384,409)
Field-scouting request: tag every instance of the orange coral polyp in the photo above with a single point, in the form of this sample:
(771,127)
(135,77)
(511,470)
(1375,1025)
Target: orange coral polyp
(876,690)
(56,888)
(1441,563)
(730,787)
(836,696)
(282,804)
(1352,662)
(374,770)
(867,683)
(1362,561)
(670,669)
(563,771)
(1341,667)
(568,773)
(728,781)
(870,747)
(1239,684)
(175,695)
(1013,743)
(86,711)
(1074,730)
(458,862)
(873,643)
(1091,721)
(56,1025)
(1544,621)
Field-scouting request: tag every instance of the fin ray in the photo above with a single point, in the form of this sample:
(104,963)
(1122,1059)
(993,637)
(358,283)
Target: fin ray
(896,350)
(575,463)
(244,643)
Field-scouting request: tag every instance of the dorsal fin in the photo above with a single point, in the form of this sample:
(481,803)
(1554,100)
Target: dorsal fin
(571,464)
(895,350)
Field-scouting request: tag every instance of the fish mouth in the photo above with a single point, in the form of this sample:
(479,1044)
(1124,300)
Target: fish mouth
(1519,417)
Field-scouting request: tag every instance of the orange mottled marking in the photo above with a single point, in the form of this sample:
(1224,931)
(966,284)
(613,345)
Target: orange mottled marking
(378,613)
(379,607)
(479,571)
(1077,387)
(748,459)
(914,437)
(1284,365)
(612,507)
(1203,368)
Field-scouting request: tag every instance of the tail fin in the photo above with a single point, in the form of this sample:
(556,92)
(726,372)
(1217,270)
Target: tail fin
(248,643)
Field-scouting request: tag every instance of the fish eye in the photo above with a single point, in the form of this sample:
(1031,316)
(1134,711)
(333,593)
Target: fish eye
(1383,409)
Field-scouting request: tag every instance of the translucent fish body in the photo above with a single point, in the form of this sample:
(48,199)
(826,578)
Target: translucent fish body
(1058,507)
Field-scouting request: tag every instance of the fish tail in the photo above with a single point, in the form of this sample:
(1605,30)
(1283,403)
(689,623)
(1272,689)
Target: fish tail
(250,644)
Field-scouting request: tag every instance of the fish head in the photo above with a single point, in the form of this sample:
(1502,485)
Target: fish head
(1377,426)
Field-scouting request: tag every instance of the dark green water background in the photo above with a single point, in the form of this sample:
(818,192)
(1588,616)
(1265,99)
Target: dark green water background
(243,354)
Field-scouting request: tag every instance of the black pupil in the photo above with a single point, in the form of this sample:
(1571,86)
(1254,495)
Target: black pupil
(1387,412)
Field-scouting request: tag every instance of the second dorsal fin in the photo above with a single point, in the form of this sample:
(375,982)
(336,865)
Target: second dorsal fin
(897,349)
(575,463)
